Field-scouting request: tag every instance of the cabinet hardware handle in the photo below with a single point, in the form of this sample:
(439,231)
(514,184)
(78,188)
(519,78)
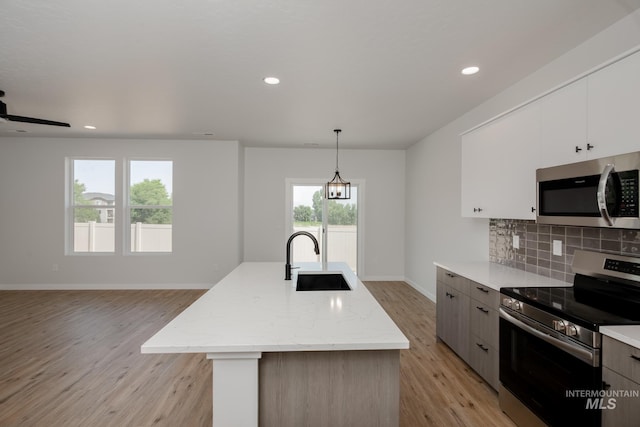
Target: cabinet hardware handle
(483,348)
(451,275)
(589,147)
(477,209)
(578,149)
(606,385)
(533,209)
(449,295)
(635,358)
(486,291)
(482,309)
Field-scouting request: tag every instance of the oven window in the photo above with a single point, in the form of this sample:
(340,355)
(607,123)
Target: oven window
(541,376)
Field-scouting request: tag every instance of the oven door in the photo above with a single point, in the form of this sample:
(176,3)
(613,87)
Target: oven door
(547,376)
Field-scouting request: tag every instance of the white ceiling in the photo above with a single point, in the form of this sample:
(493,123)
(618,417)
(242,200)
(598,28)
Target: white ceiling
(386,72)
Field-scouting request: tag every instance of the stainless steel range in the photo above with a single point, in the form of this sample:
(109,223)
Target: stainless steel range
(550,342)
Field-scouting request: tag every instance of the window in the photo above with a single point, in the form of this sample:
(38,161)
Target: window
(150,205)
(100,218)
(92,186)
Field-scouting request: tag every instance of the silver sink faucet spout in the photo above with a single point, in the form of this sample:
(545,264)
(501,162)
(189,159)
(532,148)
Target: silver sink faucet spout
(287,267)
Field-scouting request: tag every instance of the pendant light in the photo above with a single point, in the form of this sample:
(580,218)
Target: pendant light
(337,188)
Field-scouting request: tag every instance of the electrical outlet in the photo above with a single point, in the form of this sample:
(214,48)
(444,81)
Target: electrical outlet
(516,241)
(557,247)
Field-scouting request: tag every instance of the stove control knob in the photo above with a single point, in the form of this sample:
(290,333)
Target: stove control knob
(517,305)
(507,302)
(559,325)
(571,330)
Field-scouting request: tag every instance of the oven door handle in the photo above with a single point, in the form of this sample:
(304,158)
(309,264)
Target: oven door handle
(574,349)
(602,193)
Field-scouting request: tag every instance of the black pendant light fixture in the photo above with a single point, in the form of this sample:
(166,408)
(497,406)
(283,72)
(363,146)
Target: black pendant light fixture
(337,188)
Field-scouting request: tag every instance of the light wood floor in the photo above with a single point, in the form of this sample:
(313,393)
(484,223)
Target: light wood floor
(72,358)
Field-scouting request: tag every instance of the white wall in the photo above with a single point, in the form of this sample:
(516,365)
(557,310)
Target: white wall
(207,217)
(266,170)
(434,229)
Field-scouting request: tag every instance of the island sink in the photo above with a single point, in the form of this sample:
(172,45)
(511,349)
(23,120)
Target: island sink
(321,282)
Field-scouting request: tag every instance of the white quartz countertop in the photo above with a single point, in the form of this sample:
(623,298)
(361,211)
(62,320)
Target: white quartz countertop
(496,276)
(628,334)
(253,309)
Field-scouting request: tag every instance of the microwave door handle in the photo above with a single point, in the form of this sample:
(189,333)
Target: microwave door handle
(602,190)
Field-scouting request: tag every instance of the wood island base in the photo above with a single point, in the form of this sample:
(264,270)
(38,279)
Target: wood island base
(329,388)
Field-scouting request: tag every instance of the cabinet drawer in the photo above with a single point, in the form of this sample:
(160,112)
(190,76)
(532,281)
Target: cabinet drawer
(484,294)
(455,281)
(622,358)
(484,322)
(483,358)
(627,410)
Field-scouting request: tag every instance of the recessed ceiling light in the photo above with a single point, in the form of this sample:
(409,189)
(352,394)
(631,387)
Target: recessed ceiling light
(271,80)
(470,70)
(90,127)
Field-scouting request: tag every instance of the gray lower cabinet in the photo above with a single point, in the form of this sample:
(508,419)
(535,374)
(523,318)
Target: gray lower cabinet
(620,373)
(467,321)
(452,313)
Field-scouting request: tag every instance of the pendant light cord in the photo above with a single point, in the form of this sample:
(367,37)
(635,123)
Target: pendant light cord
(337,131)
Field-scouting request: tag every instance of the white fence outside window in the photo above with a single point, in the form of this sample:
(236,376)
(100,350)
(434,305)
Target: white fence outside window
(99,237)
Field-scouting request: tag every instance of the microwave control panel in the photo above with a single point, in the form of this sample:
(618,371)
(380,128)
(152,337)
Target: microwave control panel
(629,193)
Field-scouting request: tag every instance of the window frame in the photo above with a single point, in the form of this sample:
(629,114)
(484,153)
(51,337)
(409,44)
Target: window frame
(128,207)
(121,206)
(70,206)
(360,185)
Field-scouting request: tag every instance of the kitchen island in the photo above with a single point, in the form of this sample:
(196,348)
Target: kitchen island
(286,357)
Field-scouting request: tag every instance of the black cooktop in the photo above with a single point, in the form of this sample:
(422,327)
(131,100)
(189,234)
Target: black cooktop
(590,303)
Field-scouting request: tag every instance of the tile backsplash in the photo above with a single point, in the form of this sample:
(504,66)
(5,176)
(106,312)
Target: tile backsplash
(535,252)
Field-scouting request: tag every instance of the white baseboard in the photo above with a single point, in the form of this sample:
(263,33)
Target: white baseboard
(100,286)
(420,289)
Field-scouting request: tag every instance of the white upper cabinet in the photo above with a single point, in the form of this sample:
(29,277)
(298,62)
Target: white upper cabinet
(498,166)
(596,116)
(614,108)
(563,136)
(477,147)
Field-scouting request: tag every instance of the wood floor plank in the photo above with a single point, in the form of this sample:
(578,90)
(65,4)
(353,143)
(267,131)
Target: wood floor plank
(72,358)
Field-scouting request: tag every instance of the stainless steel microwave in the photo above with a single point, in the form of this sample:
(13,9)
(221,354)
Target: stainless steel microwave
(593,193)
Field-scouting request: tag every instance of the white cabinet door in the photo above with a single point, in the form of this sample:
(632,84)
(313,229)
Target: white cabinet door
(498,166)
(563,136)
(477,152)
(613,111)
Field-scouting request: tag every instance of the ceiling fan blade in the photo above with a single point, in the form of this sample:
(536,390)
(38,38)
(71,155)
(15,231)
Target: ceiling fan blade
(34,120)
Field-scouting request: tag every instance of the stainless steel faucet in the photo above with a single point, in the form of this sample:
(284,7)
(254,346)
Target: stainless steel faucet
(287,267)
